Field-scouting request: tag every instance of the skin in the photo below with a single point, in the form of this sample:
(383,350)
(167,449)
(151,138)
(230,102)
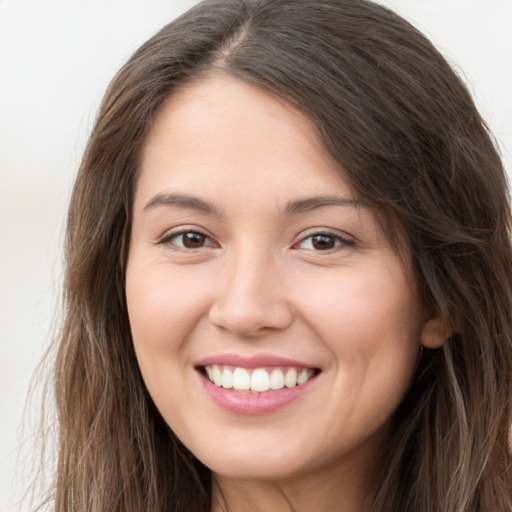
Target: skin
(257,284)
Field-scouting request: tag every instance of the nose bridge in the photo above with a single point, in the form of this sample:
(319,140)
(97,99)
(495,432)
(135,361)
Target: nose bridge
(250,295)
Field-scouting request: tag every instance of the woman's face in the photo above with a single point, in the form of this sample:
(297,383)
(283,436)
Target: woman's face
(252,265)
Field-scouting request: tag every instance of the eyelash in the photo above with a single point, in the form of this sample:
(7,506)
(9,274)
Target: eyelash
(338,240)
(168,239)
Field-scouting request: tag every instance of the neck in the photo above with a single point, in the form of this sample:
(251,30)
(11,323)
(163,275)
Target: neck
(321,491)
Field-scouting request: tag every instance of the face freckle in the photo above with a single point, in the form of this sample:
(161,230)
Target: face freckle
(250,260)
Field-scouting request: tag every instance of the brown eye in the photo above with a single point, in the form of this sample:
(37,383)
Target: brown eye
(193,240)
(188,240)
(323,242)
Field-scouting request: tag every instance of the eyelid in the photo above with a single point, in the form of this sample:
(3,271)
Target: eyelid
(343,238)
(181,230)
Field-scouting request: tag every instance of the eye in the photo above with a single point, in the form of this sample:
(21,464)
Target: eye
(188,239)
(322,242)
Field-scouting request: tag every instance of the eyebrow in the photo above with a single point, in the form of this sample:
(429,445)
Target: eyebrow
(312,203)
(200,205)
(183,201)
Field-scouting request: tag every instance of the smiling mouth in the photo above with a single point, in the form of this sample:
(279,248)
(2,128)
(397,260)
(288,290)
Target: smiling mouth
(257,380)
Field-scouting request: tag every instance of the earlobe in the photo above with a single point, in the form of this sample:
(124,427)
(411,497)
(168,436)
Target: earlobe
(434,333)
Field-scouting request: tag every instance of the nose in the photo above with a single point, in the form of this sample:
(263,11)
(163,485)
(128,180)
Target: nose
(251,297)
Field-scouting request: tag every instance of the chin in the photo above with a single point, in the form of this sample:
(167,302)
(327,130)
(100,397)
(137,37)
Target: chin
(270,470)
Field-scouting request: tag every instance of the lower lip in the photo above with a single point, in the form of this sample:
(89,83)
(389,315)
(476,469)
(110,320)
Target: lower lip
(255,404)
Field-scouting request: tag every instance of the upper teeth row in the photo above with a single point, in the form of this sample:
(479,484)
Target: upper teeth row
(259,379)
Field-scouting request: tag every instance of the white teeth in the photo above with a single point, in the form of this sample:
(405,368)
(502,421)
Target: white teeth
(290,380)
(227,379)
(276,379)
(303,376)
(259,381)
(217,376)
(241,379)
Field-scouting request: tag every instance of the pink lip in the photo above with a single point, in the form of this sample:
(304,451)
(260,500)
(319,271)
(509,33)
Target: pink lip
(258,361)
(247,403)
(254,404)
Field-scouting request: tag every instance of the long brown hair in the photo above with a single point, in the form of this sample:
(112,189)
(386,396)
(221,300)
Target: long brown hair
(403,127)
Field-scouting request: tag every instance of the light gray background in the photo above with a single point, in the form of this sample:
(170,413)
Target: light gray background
(56,58)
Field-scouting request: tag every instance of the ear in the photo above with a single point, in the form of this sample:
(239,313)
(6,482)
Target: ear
(434,333)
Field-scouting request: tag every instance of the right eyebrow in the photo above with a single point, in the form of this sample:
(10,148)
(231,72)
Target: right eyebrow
(312,203)
(183,201)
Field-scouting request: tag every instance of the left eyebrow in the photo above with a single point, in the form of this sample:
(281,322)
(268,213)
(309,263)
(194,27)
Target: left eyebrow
(312,203)
(182,201)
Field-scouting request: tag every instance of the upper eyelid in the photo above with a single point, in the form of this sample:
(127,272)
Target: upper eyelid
(169,234)
(341,243)
(343,235)
(303,235)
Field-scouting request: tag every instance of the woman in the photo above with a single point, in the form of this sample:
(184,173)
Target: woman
(288,275)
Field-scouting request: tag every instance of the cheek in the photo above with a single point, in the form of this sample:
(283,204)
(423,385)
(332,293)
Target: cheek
(371,307)
(371,324)
(164,308)
(162,305)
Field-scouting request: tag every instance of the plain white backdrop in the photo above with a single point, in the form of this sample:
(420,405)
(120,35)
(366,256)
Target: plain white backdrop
(56,59)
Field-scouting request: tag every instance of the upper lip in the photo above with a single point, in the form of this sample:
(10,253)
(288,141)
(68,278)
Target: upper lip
(256,361)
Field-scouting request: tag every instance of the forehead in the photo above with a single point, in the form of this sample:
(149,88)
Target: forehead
(222,130)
